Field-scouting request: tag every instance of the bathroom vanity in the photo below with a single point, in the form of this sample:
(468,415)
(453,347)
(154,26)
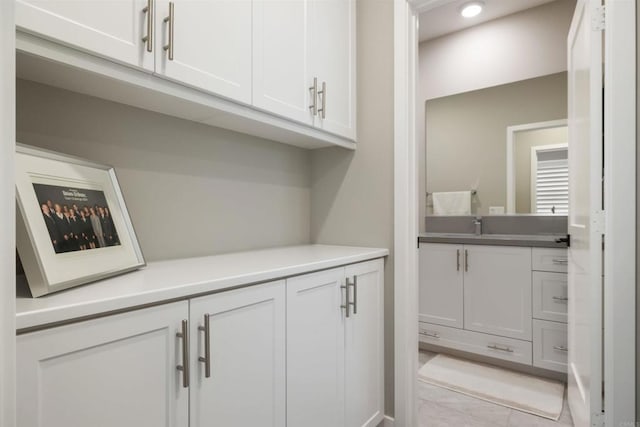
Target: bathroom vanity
(498,295)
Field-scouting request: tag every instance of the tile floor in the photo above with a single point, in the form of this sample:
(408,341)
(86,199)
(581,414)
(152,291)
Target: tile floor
(439,407)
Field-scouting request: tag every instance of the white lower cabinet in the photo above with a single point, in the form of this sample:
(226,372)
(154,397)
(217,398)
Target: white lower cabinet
(237,356)
(335,348)
(518,351)
(365,345)
(303,352)
(550,345)
(505,302)
(315,349)
(113,371)
(497,286)
(441,284)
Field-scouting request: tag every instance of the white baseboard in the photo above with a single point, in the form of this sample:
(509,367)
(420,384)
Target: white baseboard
(388,421)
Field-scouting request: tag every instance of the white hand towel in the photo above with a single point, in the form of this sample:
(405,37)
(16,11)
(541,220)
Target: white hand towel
(452,203)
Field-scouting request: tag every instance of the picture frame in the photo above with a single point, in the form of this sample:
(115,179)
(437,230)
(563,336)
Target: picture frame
(72,224)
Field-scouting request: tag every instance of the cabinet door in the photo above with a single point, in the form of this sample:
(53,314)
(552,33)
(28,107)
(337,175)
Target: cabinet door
(333,51)
(315,349)
(281,79)
(113,29)
(365,345)
(441,284)
(246,386)
(211,45)
(497,290)
(114,371)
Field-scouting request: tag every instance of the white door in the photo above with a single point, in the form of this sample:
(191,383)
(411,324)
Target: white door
(497,290)
(281,81)
(114,371)
(210,43)
(365,344)
(315,349)
(245,342)
(441,284)
(113,29)
(333,51)
(585,204)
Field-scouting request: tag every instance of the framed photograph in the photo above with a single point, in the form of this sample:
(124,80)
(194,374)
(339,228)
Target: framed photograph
(72,223)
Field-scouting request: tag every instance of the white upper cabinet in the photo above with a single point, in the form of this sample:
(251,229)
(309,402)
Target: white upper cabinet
(291,61)
(333,53)
(206,44)
(112,29)
(281,54)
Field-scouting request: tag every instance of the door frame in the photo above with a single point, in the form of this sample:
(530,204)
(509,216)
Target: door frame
(619,316)
(620,202)
(7,216)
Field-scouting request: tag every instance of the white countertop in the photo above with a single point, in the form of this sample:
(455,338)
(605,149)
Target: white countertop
(178,279)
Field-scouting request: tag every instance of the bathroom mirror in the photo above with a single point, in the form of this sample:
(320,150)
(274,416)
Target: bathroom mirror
(507,143)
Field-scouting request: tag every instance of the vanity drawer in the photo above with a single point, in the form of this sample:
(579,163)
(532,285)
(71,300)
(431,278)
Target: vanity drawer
(550,296)
(476,342)
(550,345)
(549,259)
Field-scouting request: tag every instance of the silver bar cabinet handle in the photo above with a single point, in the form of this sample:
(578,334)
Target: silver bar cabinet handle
(560,348)
(560,298)
(148,38)
(322,110)
(314,97)
(458,260)
(207,346)
(430,334)
(355,294)
(347,293)
(497,347)
(184,368)
(171,21)
(558,261)
(466,260)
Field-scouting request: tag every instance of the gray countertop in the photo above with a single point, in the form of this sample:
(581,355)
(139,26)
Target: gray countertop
(535,240)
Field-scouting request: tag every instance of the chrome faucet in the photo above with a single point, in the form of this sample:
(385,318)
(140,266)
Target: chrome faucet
(477,221)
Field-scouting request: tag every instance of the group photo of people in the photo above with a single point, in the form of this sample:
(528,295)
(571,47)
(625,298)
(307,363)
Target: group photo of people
(77,220)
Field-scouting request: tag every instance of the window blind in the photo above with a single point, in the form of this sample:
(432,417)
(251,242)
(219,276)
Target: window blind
(552,186)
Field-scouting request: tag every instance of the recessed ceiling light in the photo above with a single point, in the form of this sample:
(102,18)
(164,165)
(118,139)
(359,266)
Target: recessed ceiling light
(471,9)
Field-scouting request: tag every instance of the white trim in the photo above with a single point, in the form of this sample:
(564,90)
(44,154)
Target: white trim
(405,214)
(388,421)
(421,6)
(620,213)
(7,216)
(511,170)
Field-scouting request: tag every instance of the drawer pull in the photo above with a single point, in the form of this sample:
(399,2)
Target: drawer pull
(560,348)
(560,261)
(497,347)
(430,334)
(560,299)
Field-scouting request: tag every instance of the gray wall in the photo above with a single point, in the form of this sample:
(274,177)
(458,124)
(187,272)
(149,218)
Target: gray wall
(523,142)
(466,134)
(191,189)
(352,192)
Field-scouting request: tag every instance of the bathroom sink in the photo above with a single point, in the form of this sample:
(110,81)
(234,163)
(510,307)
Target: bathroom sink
(494,239)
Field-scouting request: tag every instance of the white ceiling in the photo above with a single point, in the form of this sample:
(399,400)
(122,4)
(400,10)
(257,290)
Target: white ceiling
(446,18)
